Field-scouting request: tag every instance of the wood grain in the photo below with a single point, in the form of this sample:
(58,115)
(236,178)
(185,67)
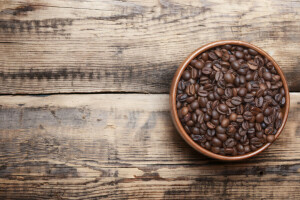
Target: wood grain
(131,46)
(116,146)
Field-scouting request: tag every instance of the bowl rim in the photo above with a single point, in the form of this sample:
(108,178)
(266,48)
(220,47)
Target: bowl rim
(173,90)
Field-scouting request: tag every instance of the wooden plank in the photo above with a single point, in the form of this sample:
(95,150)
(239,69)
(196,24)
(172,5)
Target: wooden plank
(125,146)
(131,46)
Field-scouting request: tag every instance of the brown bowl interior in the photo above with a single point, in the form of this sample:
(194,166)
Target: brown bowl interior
(175,117)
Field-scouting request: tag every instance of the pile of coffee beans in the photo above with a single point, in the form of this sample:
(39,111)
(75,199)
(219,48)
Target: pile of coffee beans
(229,100)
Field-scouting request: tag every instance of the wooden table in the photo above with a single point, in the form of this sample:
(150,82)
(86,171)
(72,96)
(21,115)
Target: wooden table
(84,105)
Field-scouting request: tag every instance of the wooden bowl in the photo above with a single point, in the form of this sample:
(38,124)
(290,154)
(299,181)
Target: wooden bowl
(175,117)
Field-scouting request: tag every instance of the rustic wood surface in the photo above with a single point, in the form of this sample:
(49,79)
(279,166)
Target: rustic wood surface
(131,46)
(124,146)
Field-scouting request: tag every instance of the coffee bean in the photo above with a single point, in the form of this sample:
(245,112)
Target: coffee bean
(199,64)
(229,77)
(259,118)
(269,130)
(186,75)
(202,93)
(233,117)
(184,111)
(210,125)
(270,138)
(239,54)
(225,122)
(267,76)
(212,56)
(229,143)
(236,101)
(268,111)
(220,129)
(242,92)
(215,149)
(194,105)
(240,118)
(235,65)
(222,108)
(216,142)
(222,137)
(252,65)
(248,98)
(206,70)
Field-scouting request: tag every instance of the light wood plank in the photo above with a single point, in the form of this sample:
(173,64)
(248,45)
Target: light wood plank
(131,46)
(124,146)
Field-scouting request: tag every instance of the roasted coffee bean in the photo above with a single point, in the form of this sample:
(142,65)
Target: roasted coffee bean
(269,130)
(240,118)
(184,111)
(233,117)
(270,138)
(210,125)
(216,142)
(229,77)
(225,122)
(229,143)
(247,115)
(229,100)
(186,75)
(222,108)
(220,129)
(222,137)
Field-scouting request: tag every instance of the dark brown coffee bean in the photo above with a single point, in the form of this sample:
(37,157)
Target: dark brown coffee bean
(268,111)
(222,137)
(269,130)
(233,117)
(245,125)
(215,114)
(247,115)
(236,101)
(229,77)
(240,118)
(222,108)
(252,65)
(202,101)
(240,148)
(212,56)
(235,65)
(248,98)
(206,70)
(259,118)
(186,75)
(206,117)
(256,142)
(270,138)
(194,105)
(216,142)
(202,93)
(225,122)
(210,125)
(211,132)
(215,149)
(220,129)
(267,76)
(239,54)
(184,111)
(199,64)
(242,92)
(229,143)
(228,151)
(252,52)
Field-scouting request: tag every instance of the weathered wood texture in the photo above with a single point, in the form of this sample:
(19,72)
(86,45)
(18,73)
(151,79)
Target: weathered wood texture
(131,46)
(125,146)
